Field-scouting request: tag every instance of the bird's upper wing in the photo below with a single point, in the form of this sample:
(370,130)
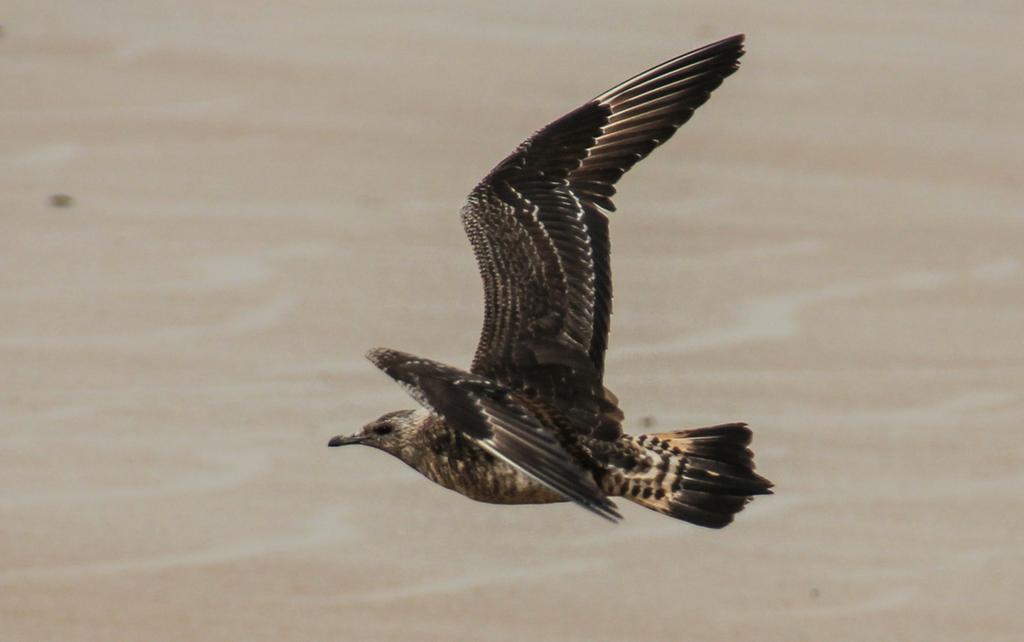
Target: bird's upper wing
(539,231)
(493,417)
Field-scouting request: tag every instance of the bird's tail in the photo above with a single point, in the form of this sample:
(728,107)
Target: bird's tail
(703,475)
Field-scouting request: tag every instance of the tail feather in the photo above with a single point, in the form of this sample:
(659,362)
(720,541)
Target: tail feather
(704,475)
(711,510)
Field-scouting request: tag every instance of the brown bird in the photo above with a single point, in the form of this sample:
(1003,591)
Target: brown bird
(531,421)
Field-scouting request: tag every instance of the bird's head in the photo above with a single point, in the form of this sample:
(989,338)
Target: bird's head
(391,432)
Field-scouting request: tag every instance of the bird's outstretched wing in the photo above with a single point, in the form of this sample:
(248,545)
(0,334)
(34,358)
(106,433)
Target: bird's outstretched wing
(492,416)
(539,229)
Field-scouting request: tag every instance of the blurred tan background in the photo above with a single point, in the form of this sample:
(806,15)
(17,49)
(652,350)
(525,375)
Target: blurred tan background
(831,250)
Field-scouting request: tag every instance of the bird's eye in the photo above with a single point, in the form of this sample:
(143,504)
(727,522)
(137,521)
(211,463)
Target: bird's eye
(383,429)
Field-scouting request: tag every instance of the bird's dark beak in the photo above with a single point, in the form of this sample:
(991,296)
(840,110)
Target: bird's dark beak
(341,440)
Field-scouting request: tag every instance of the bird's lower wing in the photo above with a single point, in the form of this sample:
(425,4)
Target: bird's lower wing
(490,415)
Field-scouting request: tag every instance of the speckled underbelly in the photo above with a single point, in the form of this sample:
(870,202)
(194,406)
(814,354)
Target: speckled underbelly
(458,464)
(488,479)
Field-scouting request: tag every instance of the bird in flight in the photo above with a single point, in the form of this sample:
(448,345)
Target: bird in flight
(531,421)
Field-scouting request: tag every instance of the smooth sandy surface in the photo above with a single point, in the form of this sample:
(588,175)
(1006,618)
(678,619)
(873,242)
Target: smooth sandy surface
(831,250)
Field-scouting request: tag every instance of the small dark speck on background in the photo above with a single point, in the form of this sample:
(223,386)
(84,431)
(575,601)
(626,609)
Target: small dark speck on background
(815,593)
(647,422)
(60,200)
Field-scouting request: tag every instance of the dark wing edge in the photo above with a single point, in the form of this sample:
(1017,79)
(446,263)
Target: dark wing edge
(558,185)
(486,413)
(645,111)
